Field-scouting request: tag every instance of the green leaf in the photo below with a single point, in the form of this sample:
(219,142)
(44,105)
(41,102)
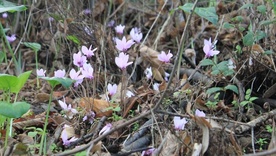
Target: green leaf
(54,81)
(233,88)
(246,6)
(11,7)
(261,9)
(267,22)
(213,90)
(14,110)
(260,35)
(7,82)
(268,52)
(248,39)
(74,39)
(206,62)
(243,103)
(34,46)
(208,13)
(21,80)
(227,25)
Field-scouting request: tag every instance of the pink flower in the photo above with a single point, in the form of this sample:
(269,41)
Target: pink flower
(40,72)
(165,57)
(11,38)
(148,73)
(69,111)
(65,140)
(60,73)
(200,113)
(87,71)
(179,124)
(112,89)
(121,61)
(123,45)
(105,129)
(111,23)
(136,34)
(4,15)
(209,48)
(86,11)
(76,76)
(79,60)
(120,29)
(148,152)
(89,116)
(88,52)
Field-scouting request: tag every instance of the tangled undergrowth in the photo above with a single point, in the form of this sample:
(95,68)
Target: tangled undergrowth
(137,77)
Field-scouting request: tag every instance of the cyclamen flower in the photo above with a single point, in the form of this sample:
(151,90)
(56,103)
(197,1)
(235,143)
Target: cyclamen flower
(87,71)
(120,29)
(179,124)
(129,94)
(209,48)
(76,76)
(121,61)
(200,113)
(148,152)
(167,75)
(65,140)
(4,15)
(88,52)
(11,38)
(79,60)
(40,72)
(148,73)
(105,129)
(112,89)
(136,34)
(123,45)
(155,86)
(69,111)
(111,23)
(60,73)
(165,57)
(90,116)
(86,11)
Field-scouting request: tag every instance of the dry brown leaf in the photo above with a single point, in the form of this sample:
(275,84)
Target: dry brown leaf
(183,80)
(172,145)
(98,106)
(156,74)
(151,56)
(162,86)
(204,125)
(96,148)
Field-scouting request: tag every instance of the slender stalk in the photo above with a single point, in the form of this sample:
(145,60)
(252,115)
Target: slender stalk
(36,66)
(43,137)
(123,90)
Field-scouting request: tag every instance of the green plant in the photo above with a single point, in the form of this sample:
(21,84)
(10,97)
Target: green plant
(269,128)
(218,68)
(248,99)
(135,126)
(53,81)
(35,47)
(261,142)
(8,110)
(213,104)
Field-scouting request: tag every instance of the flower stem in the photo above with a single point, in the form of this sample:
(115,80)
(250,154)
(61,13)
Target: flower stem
(43,137)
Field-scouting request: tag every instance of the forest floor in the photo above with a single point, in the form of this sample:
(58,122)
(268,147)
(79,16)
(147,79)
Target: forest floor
(156,107)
